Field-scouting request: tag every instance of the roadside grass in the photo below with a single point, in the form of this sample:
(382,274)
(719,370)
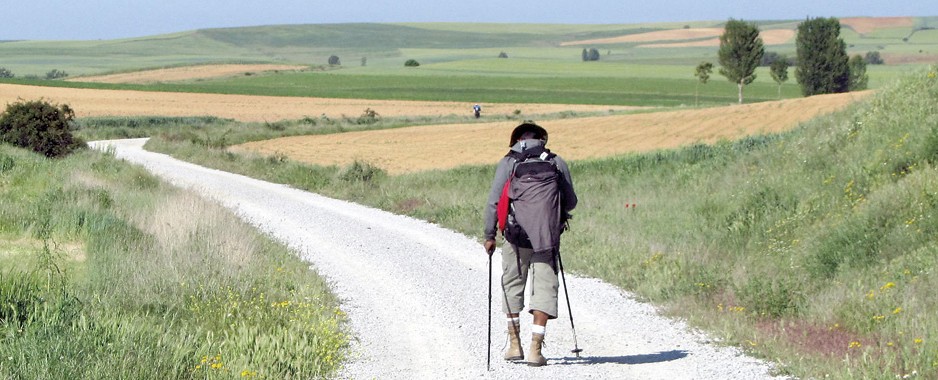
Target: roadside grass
(814,248)
(106,272)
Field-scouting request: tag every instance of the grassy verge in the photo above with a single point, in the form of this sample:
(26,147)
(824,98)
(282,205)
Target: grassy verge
(815,249)
(105,272)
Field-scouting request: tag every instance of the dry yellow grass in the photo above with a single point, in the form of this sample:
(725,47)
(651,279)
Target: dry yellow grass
(447,146)
(661,35)
(769,37)
(865,25)
(177,74)
(87,102)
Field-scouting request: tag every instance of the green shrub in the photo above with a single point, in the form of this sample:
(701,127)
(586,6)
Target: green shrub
(40,126)
(369,116)
(360,171)
(411,63)
(56,74)
(769,298)
(5,73)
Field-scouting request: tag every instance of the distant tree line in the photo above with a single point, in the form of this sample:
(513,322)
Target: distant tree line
(52,74)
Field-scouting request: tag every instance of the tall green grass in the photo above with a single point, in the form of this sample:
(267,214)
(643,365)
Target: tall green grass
(106,272)
(815,248)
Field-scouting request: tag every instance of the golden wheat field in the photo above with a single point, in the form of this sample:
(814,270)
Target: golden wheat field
(186,73)
(447,146)
(769,37)
(88,102)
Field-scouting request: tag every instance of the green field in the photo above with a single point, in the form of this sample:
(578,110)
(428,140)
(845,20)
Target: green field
(458,62)
(814,249)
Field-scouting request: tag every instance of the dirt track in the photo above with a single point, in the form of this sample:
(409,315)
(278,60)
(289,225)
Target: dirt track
(258,108)
(447,146)
(415,294)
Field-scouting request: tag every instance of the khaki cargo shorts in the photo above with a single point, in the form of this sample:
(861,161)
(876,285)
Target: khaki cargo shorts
(544,282)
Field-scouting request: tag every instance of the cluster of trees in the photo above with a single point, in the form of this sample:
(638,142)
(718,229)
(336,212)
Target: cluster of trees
(56,74)
(822,65)
(590,55)
(4,73)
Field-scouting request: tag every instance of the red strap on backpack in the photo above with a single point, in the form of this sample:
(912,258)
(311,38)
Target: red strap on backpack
(503,204)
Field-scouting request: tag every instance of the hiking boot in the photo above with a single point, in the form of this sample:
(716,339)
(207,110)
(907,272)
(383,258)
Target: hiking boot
(535,359)
(514,352)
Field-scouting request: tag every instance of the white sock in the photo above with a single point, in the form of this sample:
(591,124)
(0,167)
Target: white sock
(535,329)
(512,322)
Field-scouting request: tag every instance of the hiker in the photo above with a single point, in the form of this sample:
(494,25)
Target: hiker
(477,110)
(541,197)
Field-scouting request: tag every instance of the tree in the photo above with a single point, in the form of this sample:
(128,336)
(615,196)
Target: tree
(334,60)
(56,74)
(703,75)
(502,55)
(411,63)
(364,61)
(594,54)
(590,55)
(822,57)
(40,126)
(741,51)
(770,57)
(4,73)
(873,58)
(858,77)
(779,71)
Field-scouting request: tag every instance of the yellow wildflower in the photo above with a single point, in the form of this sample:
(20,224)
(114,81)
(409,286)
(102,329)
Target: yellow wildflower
(897,310)
(918,340)
(888,285)
(855,344)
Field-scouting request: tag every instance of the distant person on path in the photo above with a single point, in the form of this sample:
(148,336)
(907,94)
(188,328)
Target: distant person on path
(477,110)
(530,200)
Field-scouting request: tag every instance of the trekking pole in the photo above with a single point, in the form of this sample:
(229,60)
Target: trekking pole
(488,357)
(576,348)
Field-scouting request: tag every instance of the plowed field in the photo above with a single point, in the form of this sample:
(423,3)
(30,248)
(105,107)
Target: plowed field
(259,108)
(446,146)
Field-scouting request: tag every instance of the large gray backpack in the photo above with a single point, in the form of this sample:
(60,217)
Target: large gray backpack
(534,218)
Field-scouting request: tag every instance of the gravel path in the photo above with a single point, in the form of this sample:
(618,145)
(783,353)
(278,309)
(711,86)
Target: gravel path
(416,293)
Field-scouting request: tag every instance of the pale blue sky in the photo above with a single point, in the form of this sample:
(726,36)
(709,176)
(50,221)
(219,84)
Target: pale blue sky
(107,19)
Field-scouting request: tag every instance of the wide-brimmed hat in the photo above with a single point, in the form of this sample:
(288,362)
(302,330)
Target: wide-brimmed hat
(528,126)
